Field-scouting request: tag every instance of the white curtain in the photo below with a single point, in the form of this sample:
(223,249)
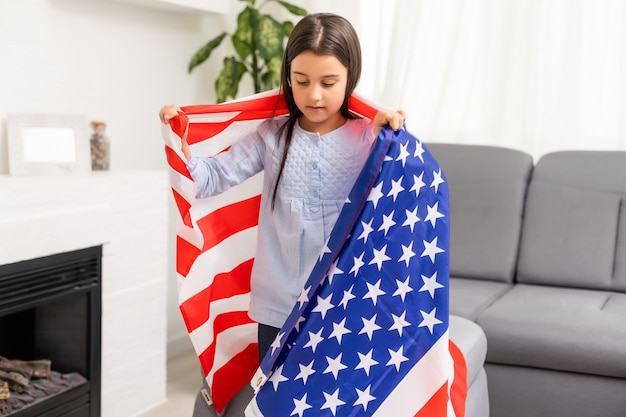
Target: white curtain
(534,75)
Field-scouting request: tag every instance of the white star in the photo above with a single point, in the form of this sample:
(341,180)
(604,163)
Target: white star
(373,292)
(304,297)
(418,183)
(347,296)
(437,180)
(332,401)
(407,254)
(366,362)
(334,365)
(364,397)
(431,249)
(276,343)
(369,326)
(376,194)
(404,153)
(430,284)
(325,249)
(397,358)
(358,263)
(339,329)
(411,218)
(396,188)
(314,339)
(305,372)
(367,229)
(433,214)
(323,305)
(419,150)
(403,288)
(334,270)
(299,406)
(399,323)
(277,377)
(380,256)
(388,222)
(429,320)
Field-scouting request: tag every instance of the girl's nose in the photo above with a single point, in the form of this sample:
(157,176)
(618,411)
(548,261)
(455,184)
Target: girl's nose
(315,93)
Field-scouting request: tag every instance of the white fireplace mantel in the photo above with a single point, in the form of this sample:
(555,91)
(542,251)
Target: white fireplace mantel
(127,214)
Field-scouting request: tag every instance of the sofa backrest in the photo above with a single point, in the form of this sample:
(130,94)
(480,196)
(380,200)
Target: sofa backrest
(574,229)
(487,186)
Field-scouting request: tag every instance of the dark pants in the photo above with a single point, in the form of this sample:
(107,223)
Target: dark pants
(267,334)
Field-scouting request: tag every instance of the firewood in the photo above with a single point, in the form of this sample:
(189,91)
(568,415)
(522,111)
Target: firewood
(17,382)
(37,368)
(4,390)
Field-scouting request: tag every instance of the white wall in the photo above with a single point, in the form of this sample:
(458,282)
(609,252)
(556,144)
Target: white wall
(105,60)
(110,61)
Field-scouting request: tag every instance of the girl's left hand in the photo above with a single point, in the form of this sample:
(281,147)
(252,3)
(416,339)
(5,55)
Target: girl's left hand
(395,119)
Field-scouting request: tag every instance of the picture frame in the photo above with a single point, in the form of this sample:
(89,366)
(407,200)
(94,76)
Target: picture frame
(47,144)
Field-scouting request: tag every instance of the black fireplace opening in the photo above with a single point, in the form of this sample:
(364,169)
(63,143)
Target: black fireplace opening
(50,308)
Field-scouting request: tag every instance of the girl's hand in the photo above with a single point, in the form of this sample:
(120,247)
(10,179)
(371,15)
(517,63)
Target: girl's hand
(166,113)
(395,119)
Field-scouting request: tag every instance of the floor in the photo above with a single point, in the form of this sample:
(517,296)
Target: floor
(183,383)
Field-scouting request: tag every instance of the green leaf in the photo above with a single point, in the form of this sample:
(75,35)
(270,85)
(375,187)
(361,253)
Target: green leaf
(270,39)
(227,83)
(298,11)
(205,52)
(271,77)
(287,27)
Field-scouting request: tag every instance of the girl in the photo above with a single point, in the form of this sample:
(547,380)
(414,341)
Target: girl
(311,159)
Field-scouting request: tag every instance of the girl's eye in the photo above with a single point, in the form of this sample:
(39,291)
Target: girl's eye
(303,83)
(327,85)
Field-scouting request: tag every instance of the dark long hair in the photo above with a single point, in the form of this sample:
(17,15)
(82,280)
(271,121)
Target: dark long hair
(322,34)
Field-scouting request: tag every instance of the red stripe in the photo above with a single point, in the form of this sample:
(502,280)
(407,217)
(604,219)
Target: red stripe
(176,163)
(234,375)
(437,405)
(179,124)
(186,255)
(221,323)
(197,309)
(458,390)
(256,108)
(228,220)
(183,208)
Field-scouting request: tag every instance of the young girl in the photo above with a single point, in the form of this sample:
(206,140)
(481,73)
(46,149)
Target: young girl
(310,158)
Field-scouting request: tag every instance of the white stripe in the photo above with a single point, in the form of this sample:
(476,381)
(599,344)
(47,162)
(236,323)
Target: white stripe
(203,334)
(247,189)
(216,144)
(231,342)
(252,410)
(420,384)
(231,252)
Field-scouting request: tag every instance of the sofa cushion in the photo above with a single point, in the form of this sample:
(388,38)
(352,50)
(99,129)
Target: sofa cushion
(487,186)
(574,230)
(469,297)
(471,340)
(564,329)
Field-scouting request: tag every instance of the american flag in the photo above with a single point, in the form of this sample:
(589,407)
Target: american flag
(369,333)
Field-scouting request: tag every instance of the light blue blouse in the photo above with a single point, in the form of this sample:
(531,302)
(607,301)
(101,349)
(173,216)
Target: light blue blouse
(318,176)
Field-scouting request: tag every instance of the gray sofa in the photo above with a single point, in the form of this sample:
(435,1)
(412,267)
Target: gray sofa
(538,261)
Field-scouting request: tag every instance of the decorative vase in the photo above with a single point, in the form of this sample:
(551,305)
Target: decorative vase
(100,147)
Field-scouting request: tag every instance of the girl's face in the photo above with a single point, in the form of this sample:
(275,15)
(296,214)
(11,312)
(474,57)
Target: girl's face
(318,83)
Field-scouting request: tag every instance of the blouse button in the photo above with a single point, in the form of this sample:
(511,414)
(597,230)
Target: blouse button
(314,165)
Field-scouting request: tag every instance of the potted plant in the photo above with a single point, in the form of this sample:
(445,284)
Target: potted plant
(258,41)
